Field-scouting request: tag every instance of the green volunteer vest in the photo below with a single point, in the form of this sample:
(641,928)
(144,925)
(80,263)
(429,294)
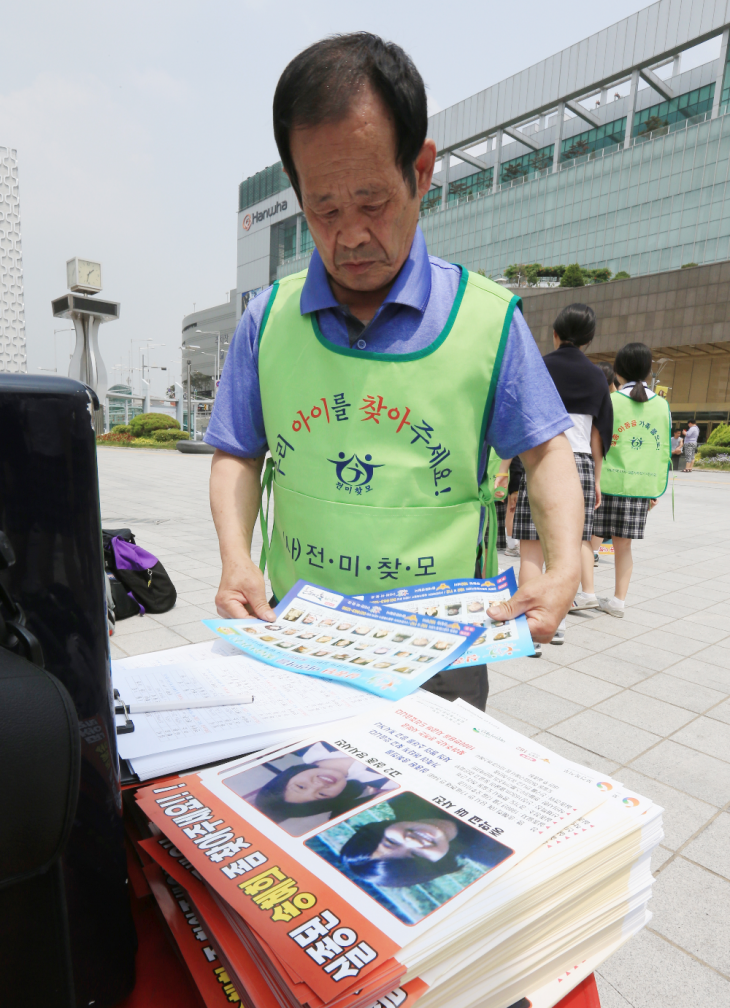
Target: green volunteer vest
(375,456)
(638,461)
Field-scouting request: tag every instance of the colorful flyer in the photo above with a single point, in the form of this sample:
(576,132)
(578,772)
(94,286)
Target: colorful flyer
(383,650)
(468,601)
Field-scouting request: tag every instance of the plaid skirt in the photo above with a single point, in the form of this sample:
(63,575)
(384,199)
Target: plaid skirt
(621,516)
(524,527)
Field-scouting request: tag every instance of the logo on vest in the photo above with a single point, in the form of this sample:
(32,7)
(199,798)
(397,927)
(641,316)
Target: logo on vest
(354,472)
(636,442)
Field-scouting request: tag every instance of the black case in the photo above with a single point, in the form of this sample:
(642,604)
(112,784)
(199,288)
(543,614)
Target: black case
(49,509)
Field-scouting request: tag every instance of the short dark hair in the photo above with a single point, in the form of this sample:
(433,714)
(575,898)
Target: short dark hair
(576,324)
(633,363)
(320,84)
(608,371)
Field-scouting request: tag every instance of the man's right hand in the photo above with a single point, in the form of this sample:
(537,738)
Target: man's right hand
(242,593)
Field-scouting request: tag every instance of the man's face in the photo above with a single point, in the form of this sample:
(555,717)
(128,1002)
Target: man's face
(360,209)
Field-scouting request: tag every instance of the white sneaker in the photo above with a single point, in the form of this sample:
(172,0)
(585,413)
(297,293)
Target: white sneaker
(558,637)
(538,651)
(610,607)
(512,551)
(582,601)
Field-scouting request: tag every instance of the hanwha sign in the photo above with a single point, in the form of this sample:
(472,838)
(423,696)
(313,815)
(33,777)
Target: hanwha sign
(247,221)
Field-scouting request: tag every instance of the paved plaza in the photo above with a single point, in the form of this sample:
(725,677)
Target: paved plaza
(645,699)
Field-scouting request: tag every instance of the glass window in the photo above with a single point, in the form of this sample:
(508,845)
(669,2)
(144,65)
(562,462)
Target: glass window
(678,109)
(431,199)
(260,186)
(306,240)
(527,164)
(470,185)
(593,140)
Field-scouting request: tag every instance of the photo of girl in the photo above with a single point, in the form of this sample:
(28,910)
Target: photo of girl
(305,788)
(409,855)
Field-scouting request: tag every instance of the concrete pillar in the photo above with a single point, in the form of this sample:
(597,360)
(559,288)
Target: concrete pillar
(179,404)
(558,135)
(632,107)
(720,79)
(445,170)
(298,245)
(146,394)
(677,65)
(498,159)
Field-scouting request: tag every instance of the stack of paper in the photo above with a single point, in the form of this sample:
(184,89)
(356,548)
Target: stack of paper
(285,706)
(423,852)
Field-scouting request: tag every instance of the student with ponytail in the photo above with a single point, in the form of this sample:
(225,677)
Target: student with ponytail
(636,469)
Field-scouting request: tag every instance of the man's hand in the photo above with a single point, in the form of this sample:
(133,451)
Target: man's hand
(242,593)
(544,600)
(235,493)
(556,504)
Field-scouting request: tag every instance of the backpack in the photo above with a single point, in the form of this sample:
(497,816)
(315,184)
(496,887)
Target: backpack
(140,578)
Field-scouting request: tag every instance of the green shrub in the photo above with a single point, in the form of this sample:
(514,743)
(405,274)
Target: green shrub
(720,435)
(170,435)
(121,428)
(573,276)
(622,275)
(688,265)
(148,423)
(707,451)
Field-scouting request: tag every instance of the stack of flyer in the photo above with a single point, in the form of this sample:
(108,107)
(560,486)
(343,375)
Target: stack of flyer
(421,852)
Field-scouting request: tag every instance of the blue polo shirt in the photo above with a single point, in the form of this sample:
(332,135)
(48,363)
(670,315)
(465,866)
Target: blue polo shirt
(527,409)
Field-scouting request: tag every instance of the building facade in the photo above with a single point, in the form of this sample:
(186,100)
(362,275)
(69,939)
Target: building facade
(12,312)
(607,154)
(683,315)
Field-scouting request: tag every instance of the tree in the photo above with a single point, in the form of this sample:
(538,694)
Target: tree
(573,276)
(577,149)
(622,275)
(687,265)
(597,275)
(652,123)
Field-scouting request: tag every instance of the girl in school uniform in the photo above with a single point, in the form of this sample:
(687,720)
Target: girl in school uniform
(636,468)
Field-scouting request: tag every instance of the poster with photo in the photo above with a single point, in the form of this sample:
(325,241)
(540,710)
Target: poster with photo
(467,601)
(383,650)
(437,813)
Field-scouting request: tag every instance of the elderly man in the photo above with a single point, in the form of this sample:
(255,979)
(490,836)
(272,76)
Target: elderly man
(380,377)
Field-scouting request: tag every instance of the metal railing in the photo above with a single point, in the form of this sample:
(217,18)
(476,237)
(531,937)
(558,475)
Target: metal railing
(573,162)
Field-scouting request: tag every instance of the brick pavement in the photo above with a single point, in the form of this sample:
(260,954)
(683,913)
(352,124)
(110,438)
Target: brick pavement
(645,699)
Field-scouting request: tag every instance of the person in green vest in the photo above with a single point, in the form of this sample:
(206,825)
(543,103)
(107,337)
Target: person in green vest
(636,469)
(380,378)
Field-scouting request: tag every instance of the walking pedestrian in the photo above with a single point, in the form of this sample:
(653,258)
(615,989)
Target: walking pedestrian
(690,445)
(636,471)
(583,388)
(677,446)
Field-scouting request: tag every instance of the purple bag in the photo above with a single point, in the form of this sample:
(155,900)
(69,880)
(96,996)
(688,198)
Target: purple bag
(139,571)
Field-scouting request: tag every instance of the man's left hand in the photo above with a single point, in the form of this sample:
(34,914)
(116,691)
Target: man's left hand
(544,600)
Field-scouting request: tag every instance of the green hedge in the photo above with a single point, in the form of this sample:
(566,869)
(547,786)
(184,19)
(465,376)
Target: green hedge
(707,451)
(171,435)
(121,428)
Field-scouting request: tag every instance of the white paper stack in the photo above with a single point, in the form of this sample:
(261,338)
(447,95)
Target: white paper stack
(285,707)
(471,868)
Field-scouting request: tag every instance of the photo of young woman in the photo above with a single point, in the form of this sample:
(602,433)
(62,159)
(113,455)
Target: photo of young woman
(305,788)
(406,842)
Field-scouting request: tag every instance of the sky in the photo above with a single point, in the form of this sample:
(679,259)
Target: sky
(134,123)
